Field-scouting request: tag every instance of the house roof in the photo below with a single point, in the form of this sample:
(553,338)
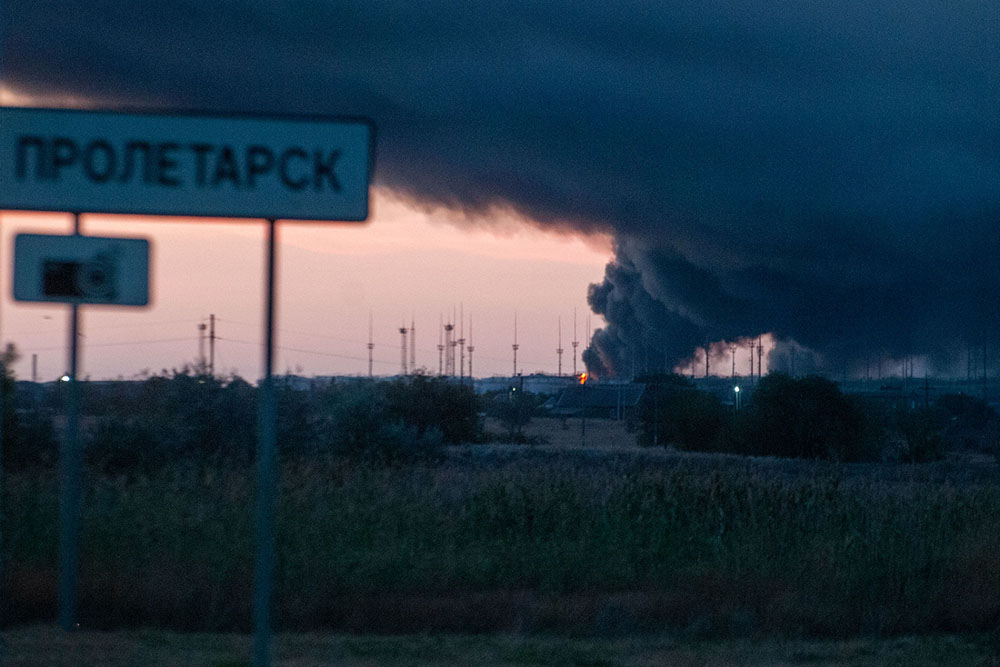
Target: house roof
(575,398)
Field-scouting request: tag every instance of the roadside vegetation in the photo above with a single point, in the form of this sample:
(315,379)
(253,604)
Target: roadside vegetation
(384,527)
(191,418)
(49,647)
(540,542)
(811,418)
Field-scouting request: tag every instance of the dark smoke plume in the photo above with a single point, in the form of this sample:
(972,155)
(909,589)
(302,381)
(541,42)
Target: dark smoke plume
(828,172)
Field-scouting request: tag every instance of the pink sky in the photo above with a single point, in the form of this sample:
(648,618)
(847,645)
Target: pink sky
(403,262)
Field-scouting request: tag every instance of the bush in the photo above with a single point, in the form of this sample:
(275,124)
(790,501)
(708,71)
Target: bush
(120,444)
(513,409)
(29,440)
(28,433)
(673,412)
(434,403)
(360,424)
(402,420)
(921,435)
(968,422)
(803,418)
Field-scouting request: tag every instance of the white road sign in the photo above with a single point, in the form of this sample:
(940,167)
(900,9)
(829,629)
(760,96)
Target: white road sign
(192,165)
(81,269)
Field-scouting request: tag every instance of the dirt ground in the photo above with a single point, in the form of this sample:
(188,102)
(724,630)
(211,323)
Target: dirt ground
(573,433)
(47,646)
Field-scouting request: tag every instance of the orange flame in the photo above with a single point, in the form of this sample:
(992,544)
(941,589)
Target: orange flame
(583,378)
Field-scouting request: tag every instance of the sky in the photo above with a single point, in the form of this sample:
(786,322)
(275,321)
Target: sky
(405,266)
(826,176)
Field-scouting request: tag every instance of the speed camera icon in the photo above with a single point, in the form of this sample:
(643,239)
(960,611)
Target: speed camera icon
(81,269)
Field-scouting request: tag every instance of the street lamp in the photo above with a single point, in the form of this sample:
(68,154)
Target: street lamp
(736,390)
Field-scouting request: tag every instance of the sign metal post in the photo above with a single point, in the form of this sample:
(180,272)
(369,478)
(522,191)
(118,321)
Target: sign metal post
(266,474)
(69,478)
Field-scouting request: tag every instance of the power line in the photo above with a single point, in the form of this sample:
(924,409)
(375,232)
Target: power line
(355,341)
(113,344)
(315,352)
(100,327)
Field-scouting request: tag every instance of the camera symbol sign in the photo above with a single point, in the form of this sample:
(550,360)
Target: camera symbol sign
(81,269)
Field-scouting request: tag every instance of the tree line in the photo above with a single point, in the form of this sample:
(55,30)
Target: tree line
(187,415)
(810,417)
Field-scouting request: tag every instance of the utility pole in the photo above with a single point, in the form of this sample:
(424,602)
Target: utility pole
(707,354)
(201,348)
(449,351)
(471,349)
(515,346)
(211,345)
(984,368)
(413,345)
(402,332)
(760,351)
(732,349)
(440,344)
(371,343)
(575,342)
(559,350)
(461,341)
(752,346)
(968,367)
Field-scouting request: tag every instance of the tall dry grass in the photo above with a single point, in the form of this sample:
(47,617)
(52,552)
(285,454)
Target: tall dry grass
(560,542)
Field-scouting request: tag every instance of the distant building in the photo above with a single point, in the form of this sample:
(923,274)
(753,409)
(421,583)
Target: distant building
(536,383)
(598,400)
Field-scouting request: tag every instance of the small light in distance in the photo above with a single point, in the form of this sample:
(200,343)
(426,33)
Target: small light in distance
(64,378)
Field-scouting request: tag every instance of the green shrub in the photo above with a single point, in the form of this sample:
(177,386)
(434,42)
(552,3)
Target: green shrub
(29,440)
(921,432)
(434,403)
(120,444)
(407,419)
(803,418)
(673,412)
(513,409)
(968,422)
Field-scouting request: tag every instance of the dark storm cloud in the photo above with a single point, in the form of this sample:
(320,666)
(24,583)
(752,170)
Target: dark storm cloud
(829,174)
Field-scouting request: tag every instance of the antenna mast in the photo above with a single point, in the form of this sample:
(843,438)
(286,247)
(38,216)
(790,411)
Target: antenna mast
(402,333)
(440,344)
(461,340)
(371,343)
(559,350)
(413,345)
(211,345)
(202,364)
(449,350)
(575,341)
(760,350)
(515,345)
(470,348)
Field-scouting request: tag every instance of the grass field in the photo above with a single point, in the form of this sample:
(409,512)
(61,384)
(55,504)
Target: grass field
(39,646)
(604,542)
